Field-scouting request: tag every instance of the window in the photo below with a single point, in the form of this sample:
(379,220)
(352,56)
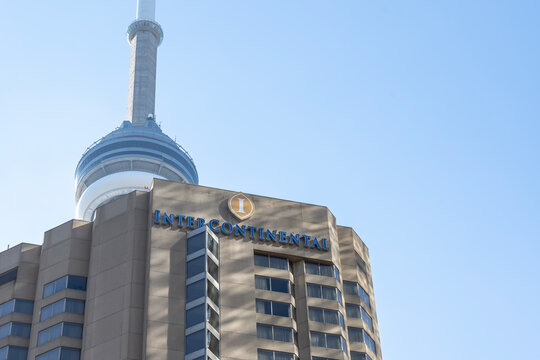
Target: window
(195,315)
(196,243)
(61,353)
(8,276)
(65,329)
(322,270)
(276,333)
(18,306)
(213,292)
(195,266)
(272,284)
(273,308)
(15,329)
(195,290)
(213,246)
(353,288)
(273,355)
(213,317)
(195,341)
(326,316)
(212,343)
(271,262)
(66,282)
(13,353)
(358,312)
(72,306)
(360,263)
(359,356)
(360,335)
(323,292)
(329,341)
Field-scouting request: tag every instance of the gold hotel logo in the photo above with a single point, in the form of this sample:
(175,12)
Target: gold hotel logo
(241,206)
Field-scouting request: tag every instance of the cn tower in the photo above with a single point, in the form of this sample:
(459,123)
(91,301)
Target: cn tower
(131,156)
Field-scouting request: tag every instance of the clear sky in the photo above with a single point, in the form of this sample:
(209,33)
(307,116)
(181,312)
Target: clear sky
(415,122)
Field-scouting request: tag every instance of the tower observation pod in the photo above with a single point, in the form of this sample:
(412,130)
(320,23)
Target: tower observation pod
(131,156)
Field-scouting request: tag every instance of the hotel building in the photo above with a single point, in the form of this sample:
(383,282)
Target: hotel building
(160,267)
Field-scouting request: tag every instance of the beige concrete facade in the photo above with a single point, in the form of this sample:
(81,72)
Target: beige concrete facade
(135,265)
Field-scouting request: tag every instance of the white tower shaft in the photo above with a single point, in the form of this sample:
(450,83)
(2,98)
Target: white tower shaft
(146,9)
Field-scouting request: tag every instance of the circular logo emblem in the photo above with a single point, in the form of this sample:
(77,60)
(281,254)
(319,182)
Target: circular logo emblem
(241,206)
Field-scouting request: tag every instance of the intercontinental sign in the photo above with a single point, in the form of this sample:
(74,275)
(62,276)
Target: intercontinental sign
(240,206)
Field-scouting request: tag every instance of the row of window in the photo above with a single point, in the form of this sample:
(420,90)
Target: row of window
(330,341)
(13,353)
(61,353)
(271,262)
(358,312)
(324,292)
(274,355)
(273,284)
(360,335)
(15,329)
(276,333)
(360,263)
(274,308)
(64,329)
(359,356)
(72,306)
(278,355)
(8,276)
(18,306)
(322,270)
(353,288)
(66,282)
(326,316)
(280,263)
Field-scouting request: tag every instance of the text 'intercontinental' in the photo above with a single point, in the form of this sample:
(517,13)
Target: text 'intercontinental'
(253,232)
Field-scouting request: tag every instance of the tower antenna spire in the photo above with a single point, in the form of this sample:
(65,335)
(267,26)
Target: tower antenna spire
(144,37)
(146,9)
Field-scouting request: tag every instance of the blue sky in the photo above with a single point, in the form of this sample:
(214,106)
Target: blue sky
(415,122)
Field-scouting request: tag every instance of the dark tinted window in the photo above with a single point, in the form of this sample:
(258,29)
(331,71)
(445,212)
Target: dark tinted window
(195,315)
(196,243)
(213,293)
(280,285)
(271,261)
(281,309)
(76,283)
(15,329)
(195,266)
(8,276)
(69,281)
(195,341)
(213,317)
(213,343)
(16,305)
(213,246)
(278,263)
(195,290)
(213,269)
(13,353)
